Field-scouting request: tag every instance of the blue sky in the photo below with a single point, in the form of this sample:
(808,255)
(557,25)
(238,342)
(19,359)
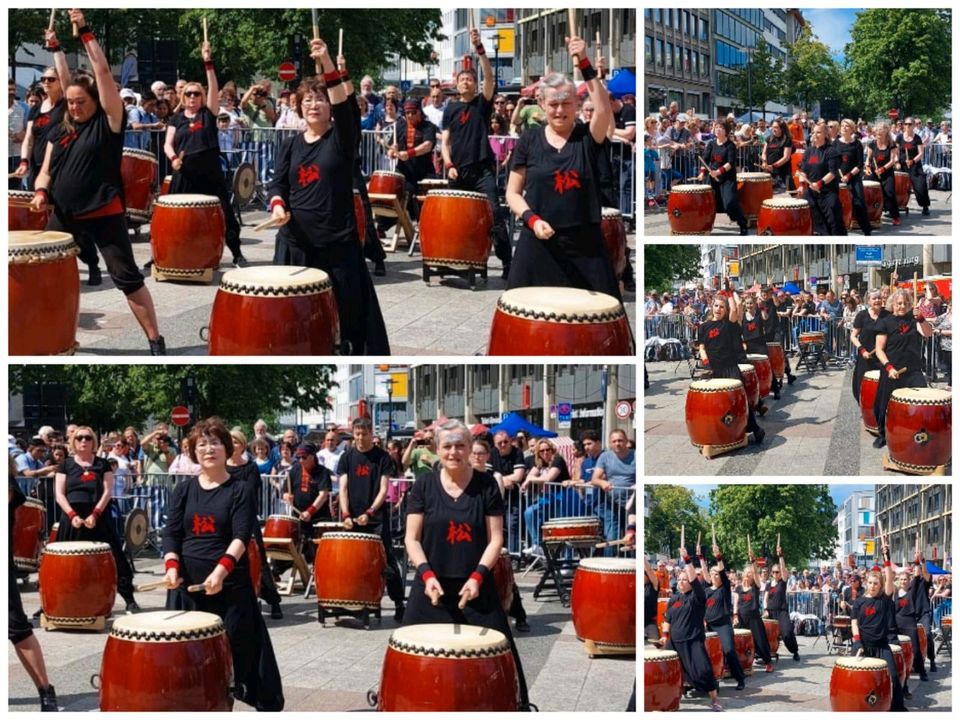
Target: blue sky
(832,27)
(839,493)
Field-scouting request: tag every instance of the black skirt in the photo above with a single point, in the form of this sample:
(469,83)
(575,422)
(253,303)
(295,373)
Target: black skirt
(862,368)
(103,531)
(697,670)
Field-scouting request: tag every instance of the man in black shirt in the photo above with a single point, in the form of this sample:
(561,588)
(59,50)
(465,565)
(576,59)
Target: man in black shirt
(308,490)
(625,120)
(416,138)
(509,469)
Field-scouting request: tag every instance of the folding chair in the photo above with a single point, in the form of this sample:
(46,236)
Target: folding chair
(286,550)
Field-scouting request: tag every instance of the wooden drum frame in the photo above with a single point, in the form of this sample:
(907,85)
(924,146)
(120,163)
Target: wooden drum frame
(860,684)
(30,522)
(455,232)
(751,385)
(752,189)
(615,238)
(873,199)
(78,583)
(868,393)
(348,571)
(662,680)
(918,429)
(716,414)
(138,169)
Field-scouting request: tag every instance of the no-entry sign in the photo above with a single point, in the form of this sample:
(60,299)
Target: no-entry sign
(180,415)
(287,71)
(623,409)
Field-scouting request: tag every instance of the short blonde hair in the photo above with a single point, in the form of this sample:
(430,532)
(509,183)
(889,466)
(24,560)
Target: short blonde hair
(73,438)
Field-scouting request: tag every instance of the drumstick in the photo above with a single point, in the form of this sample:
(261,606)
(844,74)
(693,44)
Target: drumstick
(914,289)
(778,539)
(340,44)
(901,371)
(266,224)
(749,551)
(53,16)
(611,543)
(205,39)
(713,530)
(151,586)
(76,29)
(316,36)
(435,597)
(698,538)
(195,588)
(682,537)
(463,601)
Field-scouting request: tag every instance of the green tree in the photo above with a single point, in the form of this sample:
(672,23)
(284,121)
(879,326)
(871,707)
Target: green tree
(812,74)
(802,514)
(762,82)
(663,265)
(670,507)
(899,58)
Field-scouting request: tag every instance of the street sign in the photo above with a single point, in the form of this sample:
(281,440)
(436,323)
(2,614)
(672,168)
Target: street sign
(813,281)
(287,71)
(869,254)
(623,409)
(564,414)
(180,415)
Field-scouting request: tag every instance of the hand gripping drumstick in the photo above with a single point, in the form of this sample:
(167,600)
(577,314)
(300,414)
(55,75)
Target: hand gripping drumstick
(463,601)
(435,598)
(195,588)
(316,36)
(611,543)
(266,224)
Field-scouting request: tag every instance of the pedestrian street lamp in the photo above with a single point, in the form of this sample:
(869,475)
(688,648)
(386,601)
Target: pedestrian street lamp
(389,382)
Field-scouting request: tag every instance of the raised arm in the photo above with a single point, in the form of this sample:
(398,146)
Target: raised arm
(488,77)
(106,86)
(213,88)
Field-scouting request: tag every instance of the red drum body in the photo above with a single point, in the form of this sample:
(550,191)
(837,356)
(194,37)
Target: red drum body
(846,204)
(761,363)
(785,216)
(662,604)
(743,644)
(78,582)
(750,384)
(20,217)
(187,233)
(167,661)
(841,621)
(253,554)
(559,321)
(572,529)
(716,412)
(901,185)
(614,238)
(796,157)
(282,526)
(349,571)
(715,653)
(138,168)
(503,579)
(922,639)
(448,668)
(383,182)
(43,283)
(30,520)
(873,198)
(752,189)
(662,680)
(604,604)
(455,230)
(691,209)
(898,660)
(778,361)
(868,393)
(361,218)
(814,337)
(54,533)
(906,645)
(165,185)
(298,300)
(919,428)
(860,684)
(772,628)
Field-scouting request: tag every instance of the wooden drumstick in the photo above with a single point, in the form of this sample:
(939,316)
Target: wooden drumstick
(914,289)
(340,44)
(435,597)
(155,585)
(901,371)
(682,537)
(266,224)
(205,38)
(53,17)
(611,543)
(316,36)
(463,601)
(76,29)
(195,588)
(698,539)
(713,531)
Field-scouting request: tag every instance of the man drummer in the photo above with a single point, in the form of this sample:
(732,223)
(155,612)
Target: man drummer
(308,490)
(416,138)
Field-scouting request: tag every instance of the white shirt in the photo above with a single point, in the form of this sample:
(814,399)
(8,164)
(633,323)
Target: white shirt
(120,475)
(434,114)
(16,123)
(330,459)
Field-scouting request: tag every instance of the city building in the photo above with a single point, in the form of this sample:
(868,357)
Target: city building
(714,258)
(677,63)
(905,510)
(855,523)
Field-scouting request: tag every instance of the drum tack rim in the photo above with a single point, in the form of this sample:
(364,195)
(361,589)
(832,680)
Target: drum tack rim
(655,655)
(568,318)
(78,547)
(467,194)
(861,664)
(212,627)
(497,643)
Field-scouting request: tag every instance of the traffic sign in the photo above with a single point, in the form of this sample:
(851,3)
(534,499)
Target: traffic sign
(180,415)
(564,412)
(623,409)
(287,71)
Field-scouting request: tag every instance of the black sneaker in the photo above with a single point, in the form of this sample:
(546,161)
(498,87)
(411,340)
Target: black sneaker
(158,346)
(796,657)
(95,276)
(133,608)
(523,626)
(907,694)
(926,211)
(148,264)
(791,379)
(758,435)
(924,677)
(379,269)
(879,442)
(398,613)
(933,667)
(239,261)
(506,272)
(275,612)
(741,685)
(48,700)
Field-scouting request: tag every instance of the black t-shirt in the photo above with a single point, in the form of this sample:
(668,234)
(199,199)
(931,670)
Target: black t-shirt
(197,134)
(627,117)
(84,485)
(882,157)
(748,603)
(817,162)
(906,610)
(685,613)
(777,596)
(921,599)
(771,324)
(45,125)
(851,154)
(776,146)
(562,186)
(455,529)
(903,341)
(721,339)
(201,524)
(650,596)
(421,166)
(752,334)
(85,166)
(307,486)
(848,596)
(315,180)
(716,155)
(561,465)
(719,604)
(868,327)
(247,474)
(808,309)
(364,472)
(507,464)
(874,615)
(468,123)
(909,149)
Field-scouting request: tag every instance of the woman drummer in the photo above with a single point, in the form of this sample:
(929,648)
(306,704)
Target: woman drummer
(311,197)
(754,339)
(899,350)
(454,537)
(721,349)
(820,174)
(651,593)
(746,607)
(210,519)
(554,188)
(775,157)
(907,601)
(850,149)
(83,486)
(720,157)
(911,162)
(775,605)
(193,149)
(683,632)
(871,619)
(81,178)
(864,338)
(882,158)
(719,611)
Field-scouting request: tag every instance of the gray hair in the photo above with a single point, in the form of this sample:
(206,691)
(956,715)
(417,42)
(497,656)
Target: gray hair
(908,296)
(556,81)
(453,426)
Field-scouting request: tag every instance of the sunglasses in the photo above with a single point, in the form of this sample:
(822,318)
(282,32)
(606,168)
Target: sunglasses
(192,93)
(48,79)
(83,438)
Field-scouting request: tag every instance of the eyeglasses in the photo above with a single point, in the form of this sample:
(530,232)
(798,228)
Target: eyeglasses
(48,79)
(546,450)
(908,123)
(213,444)
(83,438)
(192,93)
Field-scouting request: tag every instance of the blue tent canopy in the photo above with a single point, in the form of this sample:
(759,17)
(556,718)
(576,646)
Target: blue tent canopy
(623,83)
(513,423)
(935,570)
(791,288)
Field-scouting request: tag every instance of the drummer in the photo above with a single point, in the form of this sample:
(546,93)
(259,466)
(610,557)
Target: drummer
(720,158)
(864,338)
(775,156)
(850,149)
(899,348)
(719,611)
(775,604)
(308,488)
(81,178)
(910,588)
(311,197)
(416,138)
(851,593)
(819,173)
(554,189)
(683,632)
(210,519)
(454,537)
(720,348)
(84,485)
(871,618)
(746,607)
(754,339)
(651,593)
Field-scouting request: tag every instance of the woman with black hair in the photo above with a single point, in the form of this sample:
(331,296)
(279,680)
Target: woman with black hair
(775,156)
(720,158)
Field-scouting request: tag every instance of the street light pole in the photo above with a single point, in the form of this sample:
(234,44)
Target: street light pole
(389,383)
(496,61)
(750,85)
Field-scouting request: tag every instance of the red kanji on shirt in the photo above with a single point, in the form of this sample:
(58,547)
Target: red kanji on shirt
(203,524)
(42,121)
(677,604)
(308,174)
(68,138)
(870,611)
(566,180)
(304,481)
(845,158)
(718,159)
(715,332)
(903,602)
(88,476)
(711,602)
(464,116)
(363,471)
(773,589)
(904,328)
(751,326)
(747,598)
(195,126)
(459,532)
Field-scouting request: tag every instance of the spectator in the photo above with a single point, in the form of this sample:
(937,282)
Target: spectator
(32,463)
(157,454)
(388,116)
(367,118)
(928,132)
(421,454)
(502,144)
(182,464)
(162,110)
(261,455)
(943,327)
(122,474)
(366,91)
(16,130)
(229,107)
(616,475)
(548,470)
(136,136)
(528,113)
(258,107)
(289,109)
(435,106)
(285,462)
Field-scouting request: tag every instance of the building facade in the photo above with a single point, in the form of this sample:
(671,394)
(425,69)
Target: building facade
(856,528)
(713,259)
(903,511)
(677,60)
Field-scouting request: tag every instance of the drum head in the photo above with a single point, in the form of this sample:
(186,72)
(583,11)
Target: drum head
(716,385)
(388,173)
(136,529)
(608,212)
(610,565)
(922,396)
(140,155)
(656,655)
(77,547)
(244,182)
(166,626)
(789,203)
(560,305)
(27,246)
(861,663)
(463,194)
(449,640)
(187,200)
(275,280)
(742,631)
(756,357)
(871,183)
(873,375)
(747,368)
(355,536)
(694,188)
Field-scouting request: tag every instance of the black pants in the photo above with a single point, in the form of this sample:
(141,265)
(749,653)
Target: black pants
(910,629)
(888,186)
(268,588)
(517,611)
(925,620)
(393,575)
(372,247)
(18,626)
(787,636)
(826,211)
(862,367)
(103,531)
(761,646)
(109,236)
(859,203)
(697,670)
(725,195)
(912,378)
(483,179)
(919,182)
(725,632)
(884,653)
(733,373)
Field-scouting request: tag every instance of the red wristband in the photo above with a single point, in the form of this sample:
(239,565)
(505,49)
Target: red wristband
(480,50)
(87,37)
(887,563)
(72,514)
(277,201)
(532,220)
(888,367)
(42,190)
(856,638)
(97,512)
(309,512)
(447,165)
(344,75)
(227,562)
(478,577)
(24,163)
(369,512)
(208,65)
(346,516)
(412,152)
(428,575)
(584,63)
(719,556)
(333,75)
(172,564)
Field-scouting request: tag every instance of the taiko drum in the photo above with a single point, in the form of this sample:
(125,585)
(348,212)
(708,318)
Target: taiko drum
(743,646)
(906,644)
(276,310)
(662,604)
(868,393)
(253,556)
(571,529)
(604,603)
(691,209)
(796,157)
(752,189)
(918,428)
(761,363)
(138,169)
(349,571)
(860,684)
(846,205)
(455,229)
(785,216)
(21,217)
(30,520)
(716,412)
(448,668)
(901,186)
(662,680)
(899,662)
(873,199)
(167,661)
(772,629)
(614,239)
(751,384)
(559,321)
(165,185)
(282,526)
(78,582)
(43,295)
(503,579)
(384,182)
(186,235)
(922,639)
(778,361)
(715,652)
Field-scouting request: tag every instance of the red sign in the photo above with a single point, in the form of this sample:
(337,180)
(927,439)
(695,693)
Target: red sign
(287,71)
(893,113)
(180,415)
